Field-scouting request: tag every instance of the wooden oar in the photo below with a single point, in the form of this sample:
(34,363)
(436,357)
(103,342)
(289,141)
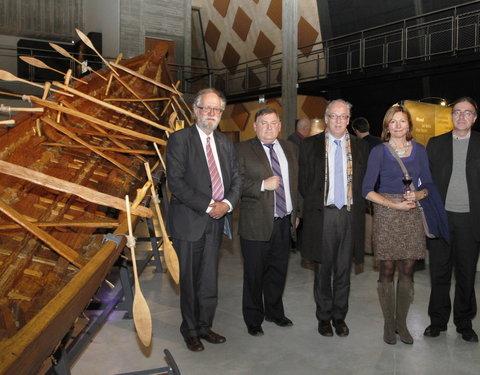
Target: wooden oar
(141,313)
(95,120)
(160,156)
(7,76)
(58,184)
(69,134)
(114,149)
(141,76)
(111,106)
(73,223)
(40,64)
(7,122)
(57,246)
(133,100)
(65,53)
(4,108)
(169,252)
(85,39)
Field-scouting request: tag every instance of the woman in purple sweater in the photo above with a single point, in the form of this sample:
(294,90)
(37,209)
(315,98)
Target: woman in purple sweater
(398,235)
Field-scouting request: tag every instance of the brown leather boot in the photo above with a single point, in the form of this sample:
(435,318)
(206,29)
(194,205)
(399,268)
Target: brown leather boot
(404,299)
(386,296)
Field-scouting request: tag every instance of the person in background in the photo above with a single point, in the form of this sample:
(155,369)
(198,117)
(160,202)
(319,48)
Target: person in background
(268,206)
(204,181)
(455,163)
(331,169)
(361,127)
(398,233)
(302,130)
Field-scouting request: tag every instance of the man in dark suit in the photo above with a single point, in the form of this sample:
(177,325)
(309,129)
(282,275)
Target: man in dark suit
(202,174)
(331,169)
(455,164)
(269,169)
(302,130)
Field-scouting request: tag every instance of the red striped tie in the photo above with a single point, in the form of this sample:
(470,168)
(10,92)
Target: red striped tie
(217,187)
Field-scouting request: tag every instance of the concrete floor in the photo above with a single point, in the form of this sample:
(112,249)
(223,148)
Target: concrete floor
(292,350)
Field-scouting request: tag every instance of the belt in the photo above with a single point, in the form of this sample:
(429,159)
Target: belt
(333,206)
(281,218)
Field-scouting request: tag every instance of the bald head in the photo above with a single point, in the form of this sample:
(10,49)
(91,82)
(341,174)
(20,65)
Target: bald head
(304,126)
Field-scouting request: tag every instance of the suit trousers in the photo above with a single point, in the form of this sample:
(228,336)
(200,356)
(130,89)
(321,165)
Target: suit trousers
(331,287)
(198,262)
(264,274)
(461,255)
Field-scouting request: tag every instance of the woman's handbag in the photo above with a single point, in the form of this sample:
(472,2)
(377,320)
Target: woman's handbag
(405,173)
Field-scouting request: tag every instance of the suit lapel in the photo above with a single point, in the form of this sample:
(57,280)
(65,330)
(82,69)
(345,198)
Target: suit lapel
(258,150)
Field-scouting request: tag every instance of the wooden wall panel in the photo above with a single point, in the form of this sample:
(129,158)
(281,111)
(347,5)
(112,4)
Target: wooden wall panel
(46,19)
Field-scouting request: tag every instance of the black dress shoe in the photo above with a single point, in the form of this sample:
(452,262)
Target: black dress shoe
(325,328)
(281,322)
(212,337)
(194,344)
(468,334)
(341,328)
(434,331)
(255,331)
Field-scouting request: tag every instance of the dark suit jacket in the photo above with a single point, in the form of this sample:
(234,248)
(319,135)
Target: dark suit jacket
(190,185)
(440,155)
(257,207)
(312,189)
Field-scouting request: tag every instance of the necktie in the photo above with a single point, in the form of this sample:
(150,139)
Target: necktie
(280,203)
(339,190)
(217,187)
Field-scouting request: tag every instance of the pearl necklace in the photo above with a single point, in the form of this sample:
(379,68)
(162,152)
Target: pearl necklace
(401,152)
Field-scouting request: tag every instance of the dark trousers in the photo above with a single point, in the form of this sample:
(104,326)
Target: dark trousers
(332,276)
(198,278)
(462,256)
(264,274)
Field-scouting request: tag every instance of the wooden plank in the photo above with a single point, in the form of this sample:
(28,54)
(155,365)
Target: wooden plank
(67,132)
(59,247)
(86,193)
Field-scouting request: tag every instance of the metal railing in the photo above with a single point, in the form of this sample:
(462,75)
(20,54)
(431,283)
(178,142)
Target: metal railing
(444,33)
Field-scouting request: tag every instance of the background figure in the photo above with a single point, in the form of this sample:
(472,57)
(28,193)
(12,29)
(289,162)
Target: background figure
(331,169)
(202,174)
(302,130)
(269,168)
(454,161)
(398,234)
(361,127)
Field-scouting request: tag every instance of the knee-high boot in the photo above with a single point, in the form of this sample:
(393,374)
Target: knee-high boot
(404,299)
(386,296)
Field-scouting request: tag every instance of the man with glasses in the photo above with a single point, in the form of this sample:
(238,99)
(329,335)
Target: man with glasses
(455,164)
(269,169)
(203,177)
(332,165)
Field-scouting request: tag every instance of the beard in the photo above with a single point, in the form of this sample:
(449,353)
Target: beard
(208,124)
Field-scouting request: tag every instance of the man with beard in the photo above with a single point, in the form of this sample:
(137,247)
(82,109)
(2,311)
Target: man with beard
(203,177)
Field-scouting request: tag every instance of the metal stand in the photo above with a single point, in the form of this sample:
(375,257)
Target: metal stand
(171,369)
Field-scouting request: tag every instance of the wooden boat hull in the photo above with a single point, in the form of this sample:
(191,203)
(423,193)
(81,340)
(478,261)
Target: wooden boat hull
(42,293)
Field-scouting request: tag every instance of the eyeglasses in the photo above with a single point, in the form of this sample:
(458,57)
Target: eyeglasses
(207,109)
(334,116)
(467,113)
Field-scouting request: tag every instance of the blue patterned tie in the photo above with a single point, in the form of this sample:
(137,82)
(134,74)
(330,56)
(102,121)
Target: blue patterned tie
(280,203)
(339,190)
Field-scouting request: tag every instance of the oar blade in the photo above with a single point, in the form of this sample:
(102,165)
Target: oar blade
(142,318)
